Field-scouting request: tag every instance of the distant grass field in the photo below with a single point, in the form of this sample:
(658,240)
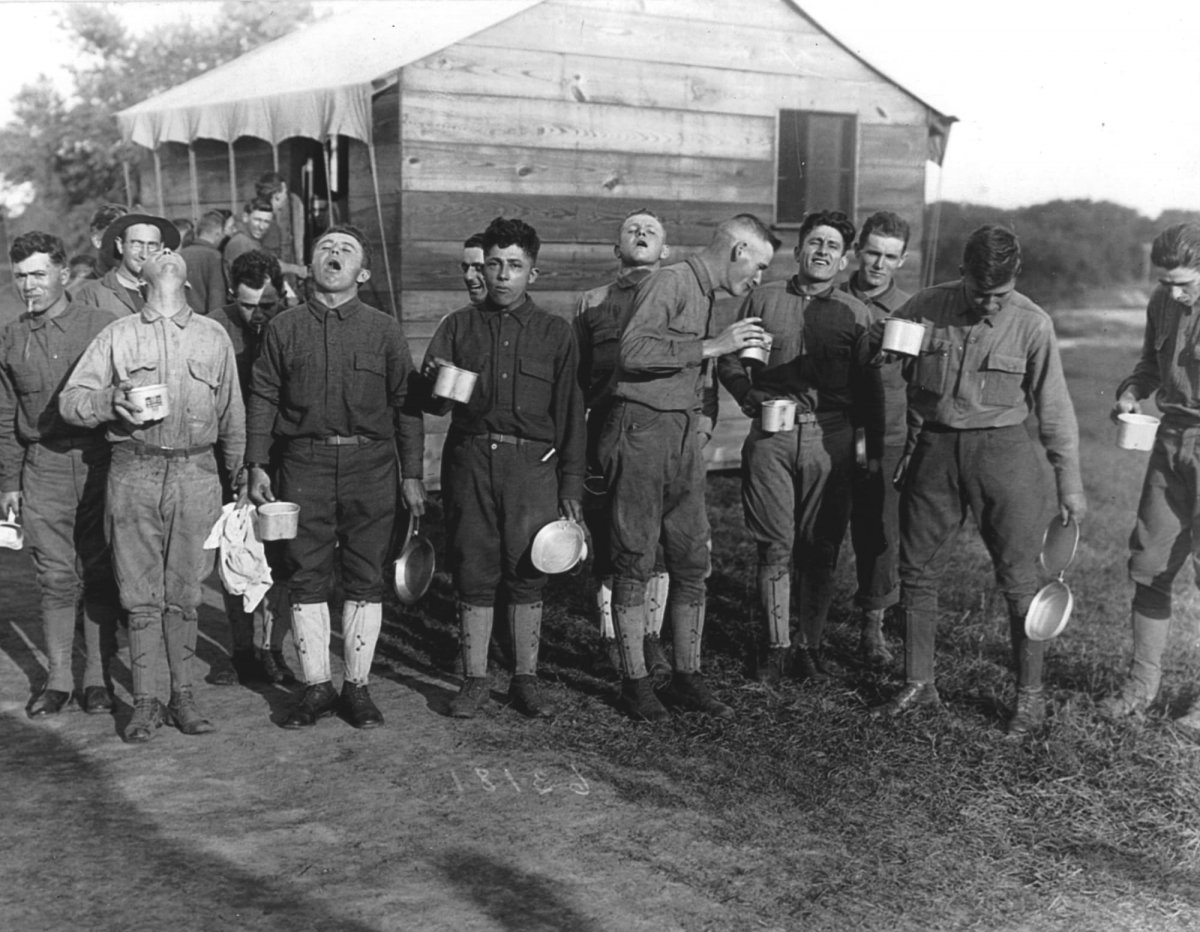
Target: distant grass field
(818,817)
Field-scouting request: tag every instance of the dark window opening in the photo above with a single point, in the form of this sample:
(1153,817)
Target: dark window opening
(816,164)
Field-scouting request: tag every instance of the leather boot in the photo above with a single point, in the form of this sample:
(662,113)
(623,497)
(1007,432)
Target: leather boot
(275,667)
(1145,670)
(774,666)
(525,695)
(472,696)
(1030,714)
(183,713)
(360,711)
(639,701)
(318,701)
(913,696)
(689,692)
(146,719)
(872,646)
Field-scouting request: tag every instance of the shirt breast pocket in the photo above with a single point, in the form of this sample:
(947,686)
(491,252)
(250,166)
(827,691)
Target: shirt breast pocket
(535,386)
(202,390)
(301,383)
(1003,380)
(27,379)
(932,368)
(143,372)
(370,375)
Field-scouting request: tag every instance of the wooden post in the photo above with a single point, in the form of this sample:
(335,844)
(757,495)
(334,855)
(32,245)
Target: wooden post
(162,206)
(193,184)
(387,262)
(233,202)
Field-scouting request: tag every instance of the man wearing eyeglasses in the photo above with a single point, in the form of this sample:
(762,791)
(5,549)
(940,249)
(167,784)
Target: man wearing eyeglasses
(130,241)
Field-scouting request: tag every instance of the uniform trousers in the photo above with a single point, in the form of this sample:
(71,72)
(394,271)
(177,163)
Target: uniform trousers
(347,498)
(63,487)
(499,493)
(875,533)
(656,478)
(159,511)
(992,474)
(796,499)
(1167,531)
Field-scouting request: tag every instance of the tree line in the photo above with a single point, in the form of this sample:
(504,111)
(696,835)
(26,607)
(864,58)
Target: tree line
(1074,252)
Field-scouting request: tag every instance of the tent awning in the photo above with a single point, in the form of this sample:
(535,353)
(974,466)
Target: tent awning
(315,82)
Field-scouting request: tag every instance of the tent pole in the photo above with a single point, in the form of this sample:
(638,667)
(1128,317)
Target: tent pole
(162,207)
(193,183)
(329,179)
(387,261)
(275,156)
(128,184)
(929,260)
(233,205)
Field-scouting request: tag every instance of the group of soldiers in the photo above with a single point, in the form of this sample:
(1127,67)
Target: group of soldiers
(602,421)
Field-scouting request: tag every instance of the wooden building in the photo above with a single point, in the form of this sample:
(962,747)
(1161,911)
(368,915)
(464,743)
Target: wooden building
(430,118)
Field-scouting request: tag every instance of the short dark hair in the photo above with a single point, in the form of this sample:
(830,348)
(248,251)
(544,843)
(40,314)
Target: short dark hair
(211,221)
(828,218)
(474,241)
(29,244)
(258,203)
(504,232)
(884,223)
(83,259)
(104,215)
(350,230)
(992,256)
(1177,246)
(268,184)
(255,269)
(187,230)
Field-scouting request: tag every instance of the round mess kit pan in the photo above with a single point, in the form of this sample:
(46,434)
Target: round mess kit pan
(1050,609)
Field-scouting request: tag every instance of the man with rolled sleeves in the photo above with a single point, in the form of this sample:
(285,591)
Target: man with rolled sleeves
(52,474)
(796,483)
(1167,531)
(513,459)
(992,360)
(129,240)
(331,386)
(881,250)
(600,319)
(650,453)
(164,491)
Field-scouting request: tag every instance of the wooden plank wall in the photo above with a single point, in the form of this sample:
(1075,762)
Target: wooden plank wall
(579,111)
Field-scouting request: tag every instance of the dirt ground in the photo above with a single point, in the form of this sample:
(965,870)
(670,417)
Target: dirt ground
(411,826)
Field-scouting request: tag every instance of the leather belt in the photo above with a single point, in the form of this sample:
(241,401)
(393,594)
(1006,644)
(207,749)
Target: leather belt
(337,441)
(169,453)
(501,438)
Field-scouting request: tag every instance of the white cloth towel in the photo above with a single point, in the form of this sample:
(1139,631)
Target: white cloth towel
(242,561)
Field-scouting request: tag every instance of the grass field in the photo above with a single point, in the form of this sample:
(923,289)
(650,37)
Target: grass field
(838,821)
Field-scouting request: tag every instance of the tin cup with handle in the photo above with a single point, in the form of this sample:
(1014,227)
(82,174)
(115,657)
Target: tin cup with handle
(454,383)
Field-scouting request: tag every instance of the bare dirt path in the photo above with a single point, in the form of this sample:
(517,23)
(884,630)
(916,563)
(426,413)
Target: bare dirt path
(412,826)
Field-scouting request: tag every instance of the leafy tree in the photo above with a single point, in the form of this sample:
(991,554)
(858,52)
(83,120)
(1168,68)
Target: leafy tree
(69,149)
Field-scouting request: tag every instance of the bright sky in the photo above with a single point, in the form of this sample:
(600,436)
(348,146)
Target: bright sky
(1055,99)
